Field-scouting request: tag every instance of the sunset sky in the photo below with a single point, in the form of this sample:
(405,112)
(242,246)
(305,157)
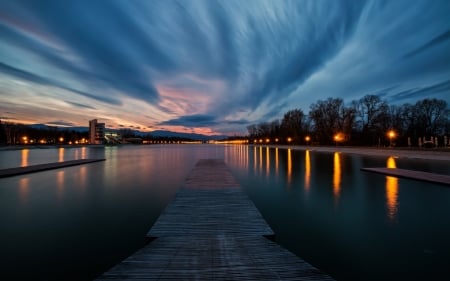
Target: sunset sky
(213,67)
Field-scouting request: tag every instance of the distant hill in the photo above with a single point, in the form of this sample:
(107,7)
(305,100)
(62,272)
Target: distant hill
(162,133)
(46,127)
(157,133)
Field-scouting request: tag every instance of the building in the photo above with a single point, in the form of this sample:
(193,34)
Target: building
(96,132)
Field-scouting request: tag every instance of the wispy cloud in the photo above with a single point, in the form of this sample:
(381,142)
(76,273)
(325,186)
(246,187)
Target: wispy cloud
(217,65)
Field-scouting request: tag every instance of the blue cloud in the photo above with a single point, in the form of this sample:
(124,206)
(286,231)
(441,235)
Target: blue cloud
(423,92)
(197,120)
(236,61)
(24,75)
(80,105)
(445,36)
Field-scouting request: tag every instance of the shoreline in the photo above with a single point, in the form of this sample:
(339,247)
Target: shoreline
(442,154)
(439,154)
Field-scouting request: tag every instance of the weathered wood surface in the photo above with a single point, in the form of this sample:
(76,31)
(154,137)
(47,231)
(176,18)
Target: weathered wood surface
(211,174)
(215,257)
(43,167)
(411,174)
(212,231)
(210,212)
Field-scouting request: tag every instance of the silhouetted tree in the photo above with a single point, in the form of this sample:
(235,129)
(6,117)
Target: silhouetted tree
(292,124)
(431,116)
(326,116)
(374,117)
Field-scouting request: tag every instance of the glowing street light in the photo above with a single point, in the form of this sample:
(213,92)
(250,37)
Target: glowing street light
(391,135)
(25,139)
(61,139)
(289,139)
(337,138)
(307,139)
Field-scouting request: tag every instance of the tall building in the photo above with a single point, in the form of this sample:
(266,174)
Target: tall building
(96,132)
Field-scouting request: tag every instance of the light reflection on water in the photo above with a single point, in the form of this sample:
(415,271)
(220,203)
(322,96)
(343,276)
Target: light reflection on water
(289,165)
(336,175)
(24,186)
(367,236)
(61,154)
(307,170)
(25,153)
(391,191)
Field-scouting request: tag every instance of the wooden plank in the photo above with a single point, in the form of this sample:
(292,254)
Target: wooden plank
(200,212)
(212,231)
(214,257)
(411,174)
(211,174)
(43,167)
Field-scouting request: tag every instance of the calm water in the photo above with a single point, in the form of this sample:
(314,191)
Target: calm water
(76,222)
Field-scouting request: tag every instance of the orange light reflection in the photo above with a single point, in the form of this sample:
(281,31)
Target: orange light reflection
(24,155)
(61,154)
(24,186)
(337,175)
(255,158)
(60,183)
(276,161)
(307,170)
(391,191)
(289,166)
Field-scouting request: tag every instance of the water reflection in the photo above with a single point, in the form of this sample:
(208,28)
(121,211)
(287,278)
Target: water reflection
(83,152)
(255,158)
(61,154)
(391,191)
(267,161)
(337,175)
(60,184)
(276,161)
(24,186)
(307,170)
(24,155)
(237,155)
(260,159)
(83,176)
(289,165)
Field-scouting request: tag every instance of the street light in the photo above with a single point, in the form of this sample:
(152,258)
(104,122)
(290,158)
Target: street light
(391,134)
(61,139)
(337,138)
(289,139)
(307,139)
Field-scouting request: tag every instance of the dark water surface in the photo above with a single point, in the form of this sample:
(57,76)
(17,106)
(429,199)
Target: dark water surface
(74,223)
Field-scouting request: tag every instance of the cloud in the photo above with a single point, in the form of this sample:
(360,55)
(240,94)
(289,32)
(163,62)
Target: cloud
(423,92)
(76,104)
(37,79)
(197,120)
(219,65)
(60,123)
(435,41)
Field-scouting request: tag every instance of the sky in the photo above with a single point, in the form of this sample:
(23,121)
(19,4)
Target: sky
(213,67)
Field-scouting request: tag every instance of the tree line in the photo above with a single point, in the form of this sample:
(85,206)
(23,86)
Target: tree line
(366,121)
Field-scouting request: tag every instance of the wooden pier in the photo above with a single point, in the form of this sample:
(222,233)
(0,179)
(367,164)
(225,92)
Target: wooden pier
(10,172)
(212,231)
(410,174)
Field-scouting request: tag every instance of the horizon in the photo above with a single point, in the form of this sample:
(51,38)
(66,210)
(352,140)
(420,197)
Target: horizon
(213,67)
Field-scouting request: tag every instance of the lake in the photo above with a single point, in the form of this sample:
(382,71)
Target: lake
(77,222)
